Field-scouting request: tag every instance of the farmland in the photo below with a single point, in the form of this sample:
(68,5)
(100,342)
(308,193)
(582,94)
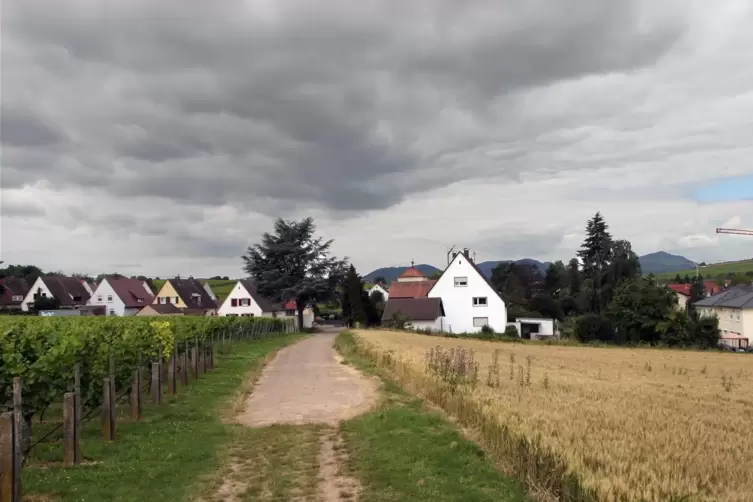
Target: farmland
(715,270)
(589,423)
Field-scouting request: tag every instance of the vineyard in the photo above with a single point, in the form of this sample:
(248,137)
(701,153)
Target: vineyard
(49,359)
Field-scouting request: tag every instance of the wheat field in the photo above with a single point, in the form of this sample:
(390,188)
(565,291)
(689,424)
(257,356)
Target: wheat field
(597,423)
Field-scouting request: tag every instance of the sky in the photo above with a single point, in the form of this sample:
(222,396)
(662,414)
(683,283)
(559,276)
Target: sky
(163,138)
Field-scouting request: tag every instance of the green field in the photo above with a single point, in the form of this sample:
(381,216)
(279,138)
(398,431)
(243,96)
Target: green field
(715,270)
(221,288)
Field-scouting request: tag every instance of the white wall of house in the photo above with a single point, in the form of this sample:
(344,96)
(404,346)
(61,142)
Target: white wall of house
(546,326)
(469,301)
(435,325)
(682,301)
(377,287)
(105,296)
(28,301)
(246,305)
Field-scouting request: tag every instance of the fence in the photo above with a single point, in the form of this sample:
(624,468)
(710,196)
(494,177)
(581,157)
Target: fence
(170,370)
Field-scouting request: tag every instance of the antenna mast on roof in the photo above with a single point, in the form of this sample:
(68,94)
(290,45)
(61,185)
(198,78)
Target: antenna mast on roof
(449,254)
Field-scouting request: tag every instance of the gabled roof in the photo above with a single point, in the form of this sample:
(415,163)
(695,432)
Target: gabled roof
(13,286)
(264,304)
(478,271)
(165,308)
(416,289)
(132,292)
(683,289)
(414,309)
(192,293)
(739,297)
(65,289)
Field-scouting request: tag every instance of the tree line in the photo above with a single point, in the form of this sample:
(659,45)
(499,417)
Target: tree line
(601,295)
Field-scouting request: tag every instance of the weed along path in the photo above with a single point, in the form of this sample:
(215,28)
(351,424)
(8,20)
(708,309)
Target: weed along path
(287,432)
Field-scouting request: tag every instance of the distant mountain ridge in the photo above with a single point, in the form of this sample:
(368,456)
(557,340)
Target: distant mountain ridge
(662,262)
(653,263)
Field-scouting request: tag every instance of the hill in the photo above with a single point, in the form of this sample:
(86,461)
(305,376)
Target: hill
(486,267)
(662,262)
(715,270)
(392,273)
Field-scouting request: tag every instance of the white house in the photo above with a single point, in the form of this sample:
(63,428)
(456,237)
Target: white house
(69,291)
(381,289)
(121,296)
(469,300)
(245,301)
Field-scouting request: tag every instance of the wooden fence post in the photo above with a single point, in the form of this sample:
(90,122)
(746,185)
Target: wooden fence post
(172,388)
(108,411)
(20,428)
(10,459)
(184,367)
(195,361)
(136,394)
(156,384)
(71,455)
(79,401)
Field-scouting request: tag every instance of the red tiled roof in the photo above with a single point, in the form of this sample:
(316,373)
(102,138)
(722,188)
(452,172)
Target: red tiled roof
(712,287)
(412,272)
(683,289)
(416,289)
(131,291)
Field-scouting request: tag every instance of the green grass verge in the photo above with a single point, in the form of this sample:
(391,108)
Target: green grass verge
(404,452)
(163,456)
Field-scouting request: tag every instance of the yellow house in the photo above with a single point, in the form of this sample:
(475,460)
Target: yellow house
(187,294)
(734,309)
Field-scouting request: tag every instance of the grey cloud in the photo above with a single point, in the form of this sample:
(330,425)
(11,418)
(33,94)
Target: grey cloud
(24,128)
(329,106)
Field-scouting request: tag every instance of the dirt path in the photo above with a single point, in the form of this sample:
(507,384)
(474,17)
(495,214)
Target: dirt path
(292,448)
(306,384)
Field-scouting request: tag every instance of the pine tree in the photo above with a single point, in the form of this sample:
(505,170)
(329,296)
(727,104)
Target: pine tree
(596,251)
(573,269)
(353,306)
(596,254)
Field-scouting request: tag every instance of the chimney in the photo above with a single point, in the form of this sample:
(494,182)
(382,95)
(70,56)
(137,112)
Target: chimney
(467,253)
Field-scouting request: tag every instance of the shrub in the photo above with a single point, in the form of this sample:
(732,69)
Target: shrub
(593,327)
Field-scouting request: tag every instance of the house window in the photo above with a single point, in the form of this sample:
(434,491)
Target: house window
(480,322)
(112,311)
(461,282)
(232,315)
(99,299)
(479,301)
(18,298)
(234,302)
(109,298)
(177,299)
(246,302)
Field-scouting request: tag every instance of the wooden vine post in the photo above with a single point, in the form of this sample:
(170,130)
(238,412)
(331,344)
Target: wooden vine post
(10,459)
(184,366)
(156,384)
(71,452)
(172,364)
(108,411)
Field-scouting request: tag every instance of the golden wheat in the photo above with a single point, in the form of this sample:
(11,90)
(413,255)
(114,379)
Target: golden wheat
(597,423)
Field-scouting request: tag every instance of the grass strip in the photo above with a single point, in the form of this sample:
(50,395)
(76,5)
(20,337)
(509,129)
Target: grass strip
(405,452)
(166,454)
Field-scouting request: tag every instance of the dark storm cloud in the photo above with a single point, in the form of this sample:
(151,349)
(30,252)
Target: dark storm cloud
(324,105)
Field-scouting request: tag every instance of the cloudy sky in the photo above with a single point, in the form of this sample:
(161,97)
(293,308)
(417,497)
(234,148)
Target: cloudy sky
(163,137)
